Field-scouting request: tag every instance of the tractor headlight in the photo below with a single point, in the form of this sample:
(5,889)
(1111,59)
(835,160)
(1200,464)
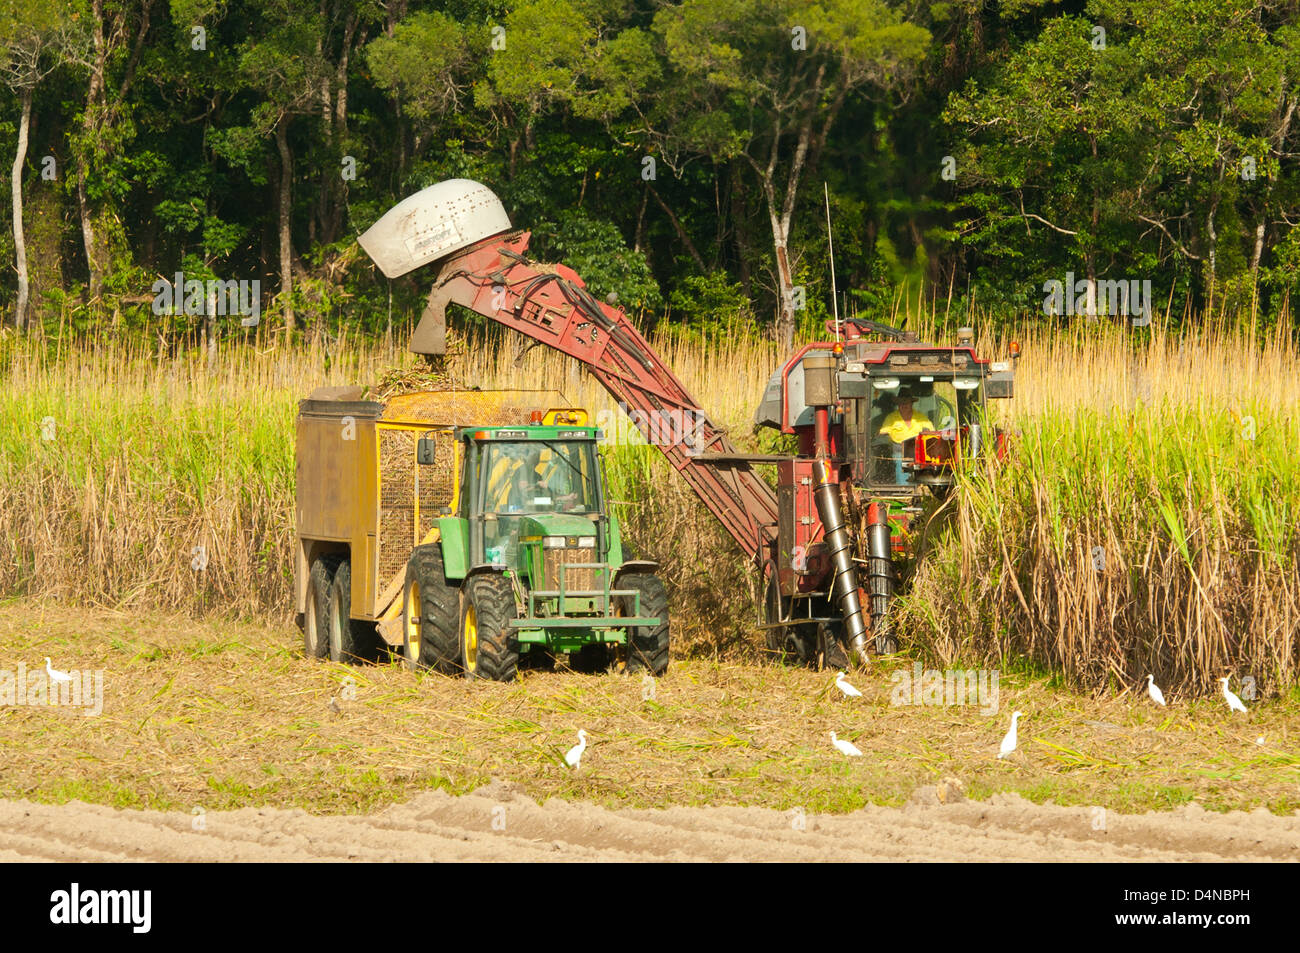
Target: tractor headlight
(586,542)
(553,542)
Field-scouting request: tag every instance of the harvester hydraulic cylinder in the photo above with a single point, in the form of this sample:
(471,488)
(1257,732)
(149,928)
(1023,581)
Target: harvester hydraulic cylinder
(844,588)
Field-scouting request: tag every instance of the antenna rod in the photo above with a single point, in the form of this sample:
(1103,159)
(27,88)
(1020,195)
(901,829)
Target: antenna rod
(830,244)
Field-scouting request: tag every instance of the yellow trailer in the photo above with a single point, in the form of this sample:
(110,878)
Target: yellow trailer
(364,503)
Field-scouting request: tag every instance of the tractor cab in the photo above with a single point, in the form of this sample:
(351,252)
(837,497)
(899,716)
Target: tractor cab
(541,482)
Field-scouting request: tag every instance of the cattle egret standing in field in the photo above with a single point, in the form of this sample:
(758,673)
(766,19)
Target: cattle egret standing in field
(845,687)
(54,674)
(848,747)
(1009,742)
(575,753)
(1233,701)
(1154,691)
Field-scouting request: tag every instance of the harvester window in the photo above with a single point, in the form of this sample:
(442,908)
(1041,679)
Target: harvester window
(900,414)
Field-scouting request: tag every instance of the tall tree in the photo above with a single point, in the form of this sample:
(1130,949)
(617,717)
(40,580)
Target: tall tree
(36,37)
(765,80)
(118,30)
(281,63)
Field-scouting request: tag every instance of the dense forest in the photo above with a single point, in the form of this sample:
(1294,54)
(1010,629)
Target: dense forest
(684,155)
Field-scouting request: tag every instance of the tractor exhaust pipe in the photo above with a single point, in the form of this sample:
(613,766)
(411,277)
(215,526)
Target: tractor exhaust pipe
(844,587)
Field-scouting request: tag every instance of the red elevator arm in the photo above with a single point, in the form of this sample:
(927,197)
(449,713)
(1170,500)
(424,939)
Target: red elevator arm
(551,304)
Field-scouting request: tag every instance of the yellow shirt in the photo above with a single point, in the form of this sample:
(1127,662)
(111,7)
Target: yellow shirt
(899,429)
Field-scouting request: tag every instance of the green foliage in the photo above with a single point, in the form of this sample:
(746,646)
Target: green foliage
(1161,155)
(595,250)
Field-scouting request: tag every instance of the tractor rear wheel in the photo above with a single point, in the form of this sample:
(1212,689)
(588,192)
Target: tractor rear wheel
(488,646)
(647,645)
(315,624)
(430,613)
(350,640)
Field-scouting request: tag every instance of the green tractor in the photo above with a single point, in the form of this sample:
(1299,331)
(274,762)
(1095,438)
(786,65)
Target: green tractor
(526,563)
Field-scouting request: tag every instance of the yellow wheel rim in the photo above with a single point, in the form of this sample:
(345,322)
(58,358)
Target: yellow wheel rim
(471,638)
(413,622)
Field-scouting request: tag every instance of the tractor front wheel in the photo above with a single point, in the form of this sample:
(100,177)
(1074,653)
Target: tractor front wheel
(429,613)
(647,645)
(489,648)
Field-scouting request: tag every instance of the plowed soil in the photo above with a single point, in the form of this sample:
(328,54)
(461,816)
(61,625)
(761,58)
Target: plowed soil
(498,823)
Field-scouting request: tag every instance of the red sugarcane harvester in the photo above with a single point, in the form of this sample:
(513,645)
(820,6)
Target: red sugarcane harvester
(881,420)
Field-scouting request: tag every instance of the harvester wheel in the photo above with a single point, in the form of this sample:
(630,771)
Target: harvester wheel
(430,613)
(349,640)
(315,627)
(776,608)
(647,645)
(488,647)
(830,647)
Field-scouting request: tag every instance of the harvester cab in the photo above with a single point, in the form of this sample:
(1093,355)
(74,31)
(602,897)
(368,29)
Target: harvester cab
(883,422)
(911,413)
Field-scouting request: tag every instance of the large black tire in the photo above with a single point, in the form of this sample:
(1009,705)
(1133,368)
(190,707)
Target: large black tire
(488,602)
(830,647)
(775,609)
(315,619)
(350,641)
(647,645)
(437,614)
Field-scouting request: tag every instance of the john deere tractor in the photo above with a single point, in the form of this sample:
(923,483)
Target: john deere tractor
(529,563)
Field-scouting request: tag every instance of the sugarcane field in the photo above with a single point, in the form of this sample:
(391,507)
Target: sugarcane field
(690,431)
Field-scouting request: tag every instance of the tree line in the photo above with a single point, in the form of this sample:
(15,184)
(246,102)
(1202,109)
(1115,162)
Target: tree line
(684,154)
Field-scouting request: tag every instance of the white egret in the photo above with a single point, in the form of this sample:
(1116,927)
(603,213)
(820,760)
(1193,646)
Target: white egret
(848,747)
(1154,691)
(1009,742)
(54,674)
(845,687)
(1233,701)
(575,753)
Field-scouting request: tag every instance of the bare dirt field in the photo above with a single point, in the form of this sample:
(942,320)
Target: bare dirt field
(498,823)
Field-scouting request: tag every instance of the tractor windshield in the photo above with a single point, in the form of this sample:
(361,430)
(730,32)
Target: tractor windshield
(904,407)
(540,476)
(523,477)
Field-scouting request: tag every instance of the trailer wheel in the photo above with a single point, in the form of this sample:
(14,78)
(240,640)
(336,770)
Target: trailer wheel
(647,645)
(350,641)
(488,647)
(430,613)
(315,625)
